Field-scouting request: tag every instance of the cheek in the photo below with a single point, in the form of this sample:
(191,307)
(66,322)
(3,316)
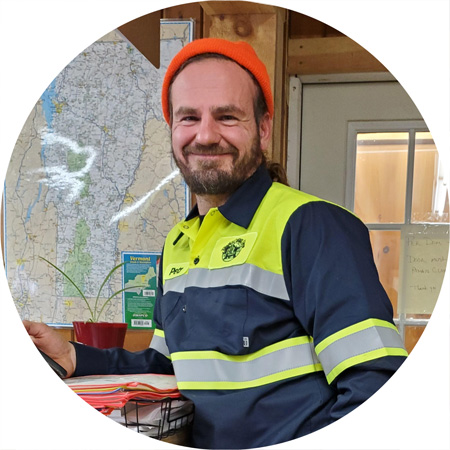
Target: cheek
(239,138)
(180,138)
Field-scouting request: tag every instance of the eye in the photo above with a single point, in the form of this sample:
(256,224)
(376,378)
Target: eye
(227,118)
(187,119)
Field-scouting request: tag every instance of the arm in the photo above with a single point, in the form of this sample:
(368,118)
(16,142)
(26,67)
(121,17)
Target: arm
(79,359)
(51,343)
(338,299)
(115,361)
(355,385)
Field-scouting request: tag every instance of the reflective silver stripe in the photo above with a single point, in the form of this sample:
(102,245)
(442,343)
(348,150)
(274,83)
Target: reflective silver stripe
(263,281)
(158,343)
(355,345)
(213,370)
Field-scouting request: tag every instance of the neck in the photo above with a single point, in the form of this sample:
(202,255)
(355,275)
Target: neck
(206,202)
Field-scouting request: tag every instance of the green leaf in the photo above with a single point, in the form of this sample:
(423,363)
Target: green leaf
(73,283)
(94,315)
(115,293)
(100,290)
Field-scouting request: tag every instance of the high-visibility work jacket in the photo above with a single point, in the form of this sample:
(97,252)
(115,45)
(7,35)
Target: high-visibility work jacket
(271,313)
(247,308)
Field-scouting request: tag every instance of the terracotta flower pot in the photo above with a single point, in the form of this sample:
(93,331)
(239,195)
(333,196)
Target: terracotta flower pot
(100,334)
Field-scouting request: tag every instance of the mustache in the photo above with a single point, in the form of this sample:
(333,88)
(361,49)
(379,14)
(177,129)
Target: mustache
(213,149)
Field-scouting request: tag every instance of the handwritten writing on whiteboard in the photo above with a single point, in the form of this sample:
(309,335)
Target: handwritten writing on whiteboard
(423,263)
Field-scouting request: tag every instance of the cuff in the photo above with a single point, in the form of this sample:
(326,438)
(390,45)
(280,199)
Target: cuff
(90,360)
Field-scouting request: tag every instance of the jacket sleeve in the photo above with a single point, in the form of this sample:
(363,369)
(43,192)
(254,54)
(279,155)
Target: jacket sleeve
(338,299)
(117,361)
(94,361)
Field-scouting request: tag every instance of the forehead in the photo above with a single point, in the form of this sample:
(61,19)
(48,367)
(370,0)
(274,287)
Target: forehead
(213,80)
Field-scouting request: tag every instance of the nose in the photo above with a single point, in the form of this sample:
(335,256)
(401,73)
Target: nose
(207,131)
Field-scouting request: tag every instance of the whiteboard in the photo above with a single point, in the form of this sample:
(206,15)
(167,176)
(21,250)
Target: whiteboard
(423,259)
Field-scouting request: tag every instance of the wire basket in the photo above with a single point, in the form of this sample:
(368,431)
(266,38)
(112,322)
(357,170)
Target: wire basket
(167,417)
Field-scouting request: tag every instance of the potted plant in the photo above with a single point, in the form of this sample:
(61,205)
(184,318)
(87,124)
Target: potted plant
(93,332)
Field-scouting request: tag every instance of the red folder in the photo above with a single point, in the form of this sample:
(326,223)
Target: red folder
(109,392)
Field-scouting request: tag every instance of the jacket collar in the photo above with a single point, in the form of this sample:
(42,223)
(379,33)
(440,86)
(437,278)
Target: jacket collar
(243,203)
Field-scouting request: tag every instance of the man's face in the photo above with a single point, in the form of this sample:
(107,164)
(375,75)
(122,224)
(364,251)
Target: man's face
(216,142)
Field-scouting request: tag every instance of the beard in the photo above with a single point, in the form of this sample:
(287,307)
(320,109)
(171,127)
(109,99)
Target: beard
(209,179)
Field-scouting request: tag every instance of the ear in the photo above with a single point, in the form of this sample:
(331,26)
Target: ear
(265,131)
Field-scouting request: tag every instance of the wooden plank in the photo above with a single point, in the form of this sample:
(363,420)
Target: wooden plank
(136,340)
(144,34)
(329,55)
(302,26)
(266,33)
(66,333)
(217,8)
(280,90)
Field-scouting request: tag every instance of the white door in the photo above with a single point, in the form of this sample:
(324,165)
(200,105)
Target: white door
(327,111)
(398,189)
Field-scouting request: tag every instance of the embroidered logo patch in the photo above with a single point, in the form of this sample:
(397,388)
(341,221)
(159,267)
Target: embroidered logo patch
(232,249)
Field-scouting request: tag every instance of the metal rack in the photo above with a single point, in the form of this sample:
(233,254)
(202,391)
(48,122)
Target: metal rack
(171,421)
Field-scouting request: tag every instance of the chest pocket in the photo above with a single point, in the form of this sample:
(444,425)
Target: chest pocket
(232,250)
(206,319)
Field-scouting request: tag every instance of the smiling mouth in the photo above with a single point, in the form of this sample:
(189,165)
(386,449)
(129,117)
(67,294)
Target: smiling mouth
(209,155)
(214,151)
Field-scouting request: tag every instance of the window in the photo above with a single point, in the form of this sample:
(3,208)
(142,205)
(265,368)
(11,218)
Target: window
(396,184)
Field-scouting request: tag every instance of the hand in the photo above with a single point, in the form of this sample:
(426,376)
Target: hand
(51,343)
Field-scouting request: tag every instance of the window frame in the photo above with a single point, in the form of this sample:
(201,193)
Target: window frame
(411,127)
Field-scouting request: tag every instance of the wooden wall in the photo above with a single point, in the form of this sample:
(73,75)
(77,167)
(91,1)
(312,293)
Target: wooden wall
(288,42)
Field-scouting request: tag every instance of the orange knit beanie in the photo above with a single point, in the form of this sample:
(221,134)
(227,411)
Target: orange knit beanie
(241,52)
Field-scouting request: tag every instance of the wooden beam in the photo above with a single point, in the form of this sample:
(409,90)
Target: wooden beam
(267,34)
(330,55)
(217,8)
(302,26)
(280,90)
(144,34)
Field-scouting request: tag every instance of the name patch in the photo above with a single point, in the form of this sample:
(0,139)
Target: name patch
(175,270)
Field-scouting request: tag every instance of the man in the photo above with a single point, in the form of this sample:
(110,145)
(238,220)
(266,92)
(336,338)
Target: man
(269,312)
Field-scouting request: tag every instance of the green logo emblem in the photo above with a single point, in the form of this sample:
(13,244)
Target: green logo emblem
(232,249)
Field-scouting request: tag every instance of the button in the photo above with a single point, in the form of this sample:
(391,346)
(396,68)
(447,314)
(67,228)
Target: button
(196,260)
(186,227)
(184,308)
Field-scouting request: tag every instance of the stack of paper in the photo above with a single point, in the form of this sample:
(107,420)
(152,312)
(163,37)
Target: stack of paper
(109,392)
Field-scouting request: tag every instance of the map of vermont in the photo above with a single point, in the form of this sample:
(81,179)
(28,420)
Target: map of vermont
(91,176)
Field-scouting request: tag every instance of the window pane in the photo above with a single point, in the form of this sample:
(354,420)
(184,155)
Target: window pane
(412,335)
(430,188)
(386,251)
(380,177)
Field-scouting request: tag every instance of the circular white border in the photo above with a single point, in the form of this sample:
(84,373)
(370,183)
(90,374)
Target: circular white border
(39,38)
